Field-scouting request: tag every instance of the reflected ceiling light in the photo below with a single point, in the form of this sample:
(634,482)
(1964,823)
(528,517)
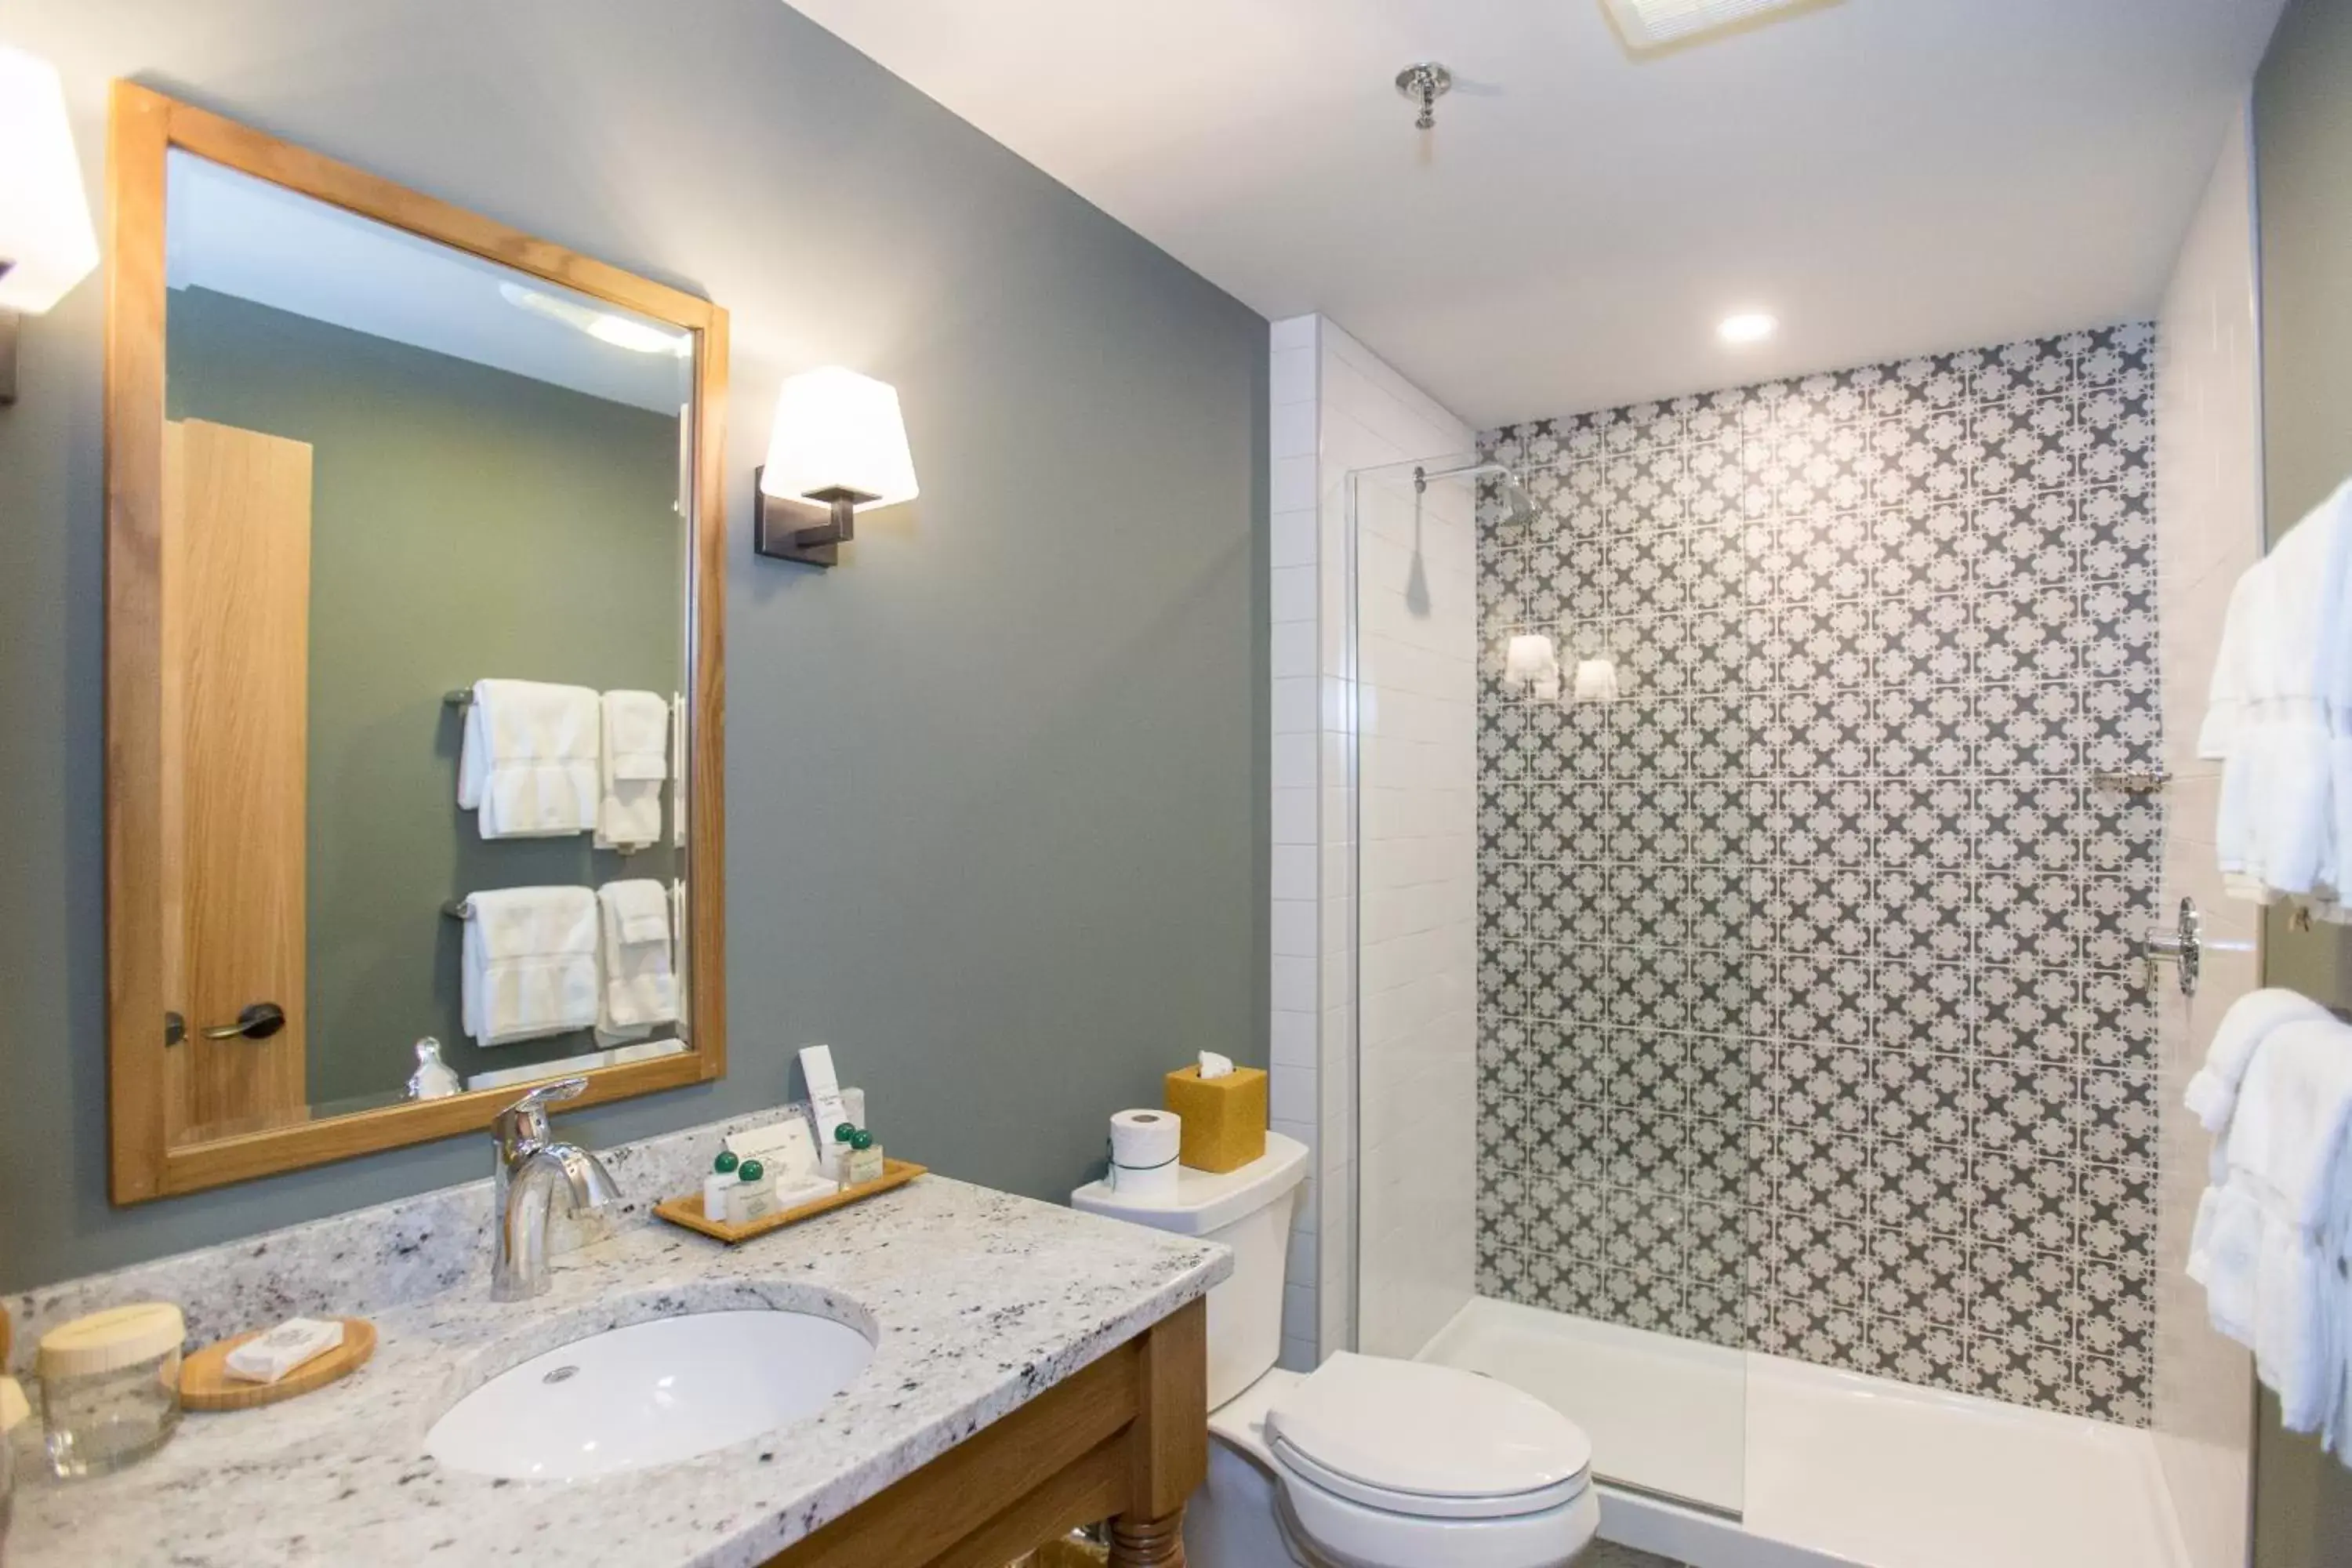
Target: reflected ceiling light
(620,331)
(1747,327)
(48,243)
(838,442)
(1654,24)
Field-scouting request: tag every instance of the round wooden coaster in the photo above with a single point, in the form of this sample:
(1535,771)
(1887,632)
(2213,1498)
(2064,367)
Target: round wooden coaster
(205,1384)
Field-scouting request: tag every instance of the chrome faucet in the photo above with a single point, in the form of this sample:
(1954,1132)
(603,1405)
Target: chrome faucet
(531,1168)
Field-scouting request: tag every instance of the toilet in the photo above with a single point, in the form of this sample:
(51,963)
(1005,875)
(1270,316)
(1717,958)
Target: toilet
(1365,1462)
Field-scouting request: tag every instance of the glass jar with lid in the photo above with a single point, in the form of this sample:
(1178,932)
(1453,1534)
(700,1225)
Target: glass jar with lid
(110,1387)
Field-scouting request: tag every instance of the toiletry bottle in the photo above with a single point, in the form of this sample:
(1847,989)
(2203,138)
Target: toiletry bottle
(753,1196)
(716,1184)
(865,1161)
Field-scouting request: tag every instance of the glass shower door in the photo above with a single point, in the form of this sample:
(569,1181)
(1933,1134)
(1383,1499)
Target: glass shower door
(1553,986)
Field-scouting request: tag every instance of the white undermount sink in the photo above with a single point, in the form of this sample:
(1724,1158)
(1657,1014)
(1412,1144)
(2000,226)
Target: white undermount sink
(651,1393)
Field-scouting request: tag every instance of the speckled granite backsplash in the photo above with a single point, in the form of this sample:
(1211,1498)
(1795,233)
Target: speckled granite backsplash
(370,1259)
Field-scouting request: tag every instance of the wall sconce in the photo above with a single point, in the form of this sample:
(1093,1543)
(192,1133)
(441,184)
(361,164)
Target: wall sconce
(839,444)
(48,243)
(1533,666)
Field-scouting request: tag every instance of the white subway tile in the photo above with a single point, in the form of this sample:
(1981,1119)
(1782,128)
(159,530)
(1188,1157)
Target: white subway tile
(1290,375)
(1292,429)
(1294,539)
(1293,595)
(1292,987)
(1294,332)
(1296,929)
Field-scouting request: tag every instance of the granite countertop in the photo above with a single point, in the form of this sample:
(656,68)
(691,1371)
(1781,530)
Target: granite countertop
(977,1301)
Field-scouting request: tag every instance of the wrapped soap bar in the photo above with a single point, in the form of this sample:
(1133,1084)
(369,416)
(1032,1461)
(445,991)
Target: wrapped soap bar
(270,1356)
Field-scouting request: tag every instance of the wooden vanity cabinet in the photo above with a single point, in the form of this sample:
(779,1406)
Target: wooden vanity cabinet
(1126,1438)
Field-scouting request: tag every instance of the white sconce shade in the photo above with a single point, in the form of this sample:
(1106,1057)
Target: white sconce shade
(1596,680)
(1530,658)
(1532,665)
(838,434)
(48,242)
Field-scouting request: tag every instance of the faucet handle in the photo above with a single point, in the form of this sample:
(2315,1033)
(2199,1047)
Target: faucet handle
(526,1120)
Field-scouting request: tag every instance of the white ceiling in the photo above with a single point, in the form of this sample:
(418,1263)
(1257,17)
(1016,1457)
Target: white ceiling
(232,233)
(1888,176)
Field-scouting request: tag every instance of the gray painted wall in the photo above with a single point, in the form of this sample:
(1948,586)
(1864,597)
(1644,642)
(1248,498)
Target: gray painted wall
(464,522)
(997,786)
(2303,147)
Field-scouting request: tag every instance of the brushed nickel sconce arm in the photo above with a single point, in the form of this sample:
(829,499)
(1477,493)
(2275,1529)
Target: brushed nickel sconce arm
(781,532)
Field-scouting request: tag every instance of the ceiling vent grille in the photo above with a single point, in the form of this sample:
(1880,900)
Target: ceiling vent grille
(1654,24)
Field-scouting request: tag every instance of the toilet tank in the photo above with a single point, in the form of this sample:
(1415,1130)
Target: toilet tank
(1248,1210)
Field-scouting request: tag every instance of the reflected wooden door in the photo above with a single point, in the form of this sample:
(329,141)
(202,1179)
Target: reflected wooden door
(235,645)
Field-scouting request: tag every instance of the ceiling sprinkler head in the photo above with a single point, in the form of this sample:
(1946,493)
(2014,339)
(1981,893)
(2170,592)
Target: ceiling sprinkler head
(1425,83)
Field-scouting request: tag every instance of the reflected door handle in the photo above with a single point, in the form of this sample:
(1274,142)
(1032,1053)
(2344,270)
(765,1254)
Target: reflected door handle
(257,1021)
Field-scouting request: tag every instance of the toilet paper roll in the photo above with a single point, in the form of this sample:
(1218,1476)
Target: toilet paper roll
(1153,1184)
(1140,1140)
(1143,1149)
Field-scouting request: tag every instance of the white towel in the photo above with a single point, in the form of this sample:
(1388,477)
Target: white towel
(635,762)
(2287,1207)
(2232,684)
(2213,1091)
(2279,713)
(2293,1111)
(678,770)
(640,988)
(2224,1255)
(681,926)
(528,967)
(528,766)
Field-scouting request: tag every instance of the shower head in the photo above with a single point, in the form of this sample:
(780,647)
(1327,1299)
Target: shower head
(1514,494)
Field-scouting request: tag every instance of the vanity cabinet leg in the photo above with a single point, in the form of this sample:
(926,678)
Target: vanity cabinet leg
(1171,1442)
(1148,1543)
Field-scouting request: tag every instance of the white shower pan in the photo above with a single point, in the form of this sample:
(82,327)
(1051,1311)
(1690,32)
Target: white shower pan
(1824,1468)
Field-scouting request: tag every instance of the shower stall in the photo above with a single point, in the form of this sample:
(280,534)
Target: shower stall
(1751,1054)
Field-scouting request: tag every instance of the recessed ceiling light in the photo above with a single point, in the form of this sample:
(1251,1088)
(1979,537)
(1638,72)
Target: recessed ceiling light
(1654,24)
(1747,327)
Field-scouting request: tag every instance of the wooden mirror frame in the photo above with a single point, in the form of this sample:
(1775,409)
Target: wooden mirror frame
(144,127)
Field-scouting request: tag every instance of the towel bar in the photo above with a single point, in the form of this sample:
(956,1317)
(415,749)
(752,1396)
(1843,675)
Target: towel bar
(459,909)
(458,699)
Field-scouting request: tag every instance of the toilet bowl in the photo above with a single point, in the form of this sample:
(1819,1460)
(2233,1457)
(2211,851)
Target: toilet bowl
(1365,1462)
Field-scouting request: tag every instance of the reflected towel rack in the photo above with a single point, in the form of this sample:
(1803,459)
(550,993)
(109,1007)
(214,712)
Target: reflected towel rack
(459,909)
(458,699)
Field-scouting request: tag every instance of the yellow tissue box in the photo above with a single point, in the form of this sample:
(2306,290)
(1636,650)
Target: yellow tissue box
(1224,1118)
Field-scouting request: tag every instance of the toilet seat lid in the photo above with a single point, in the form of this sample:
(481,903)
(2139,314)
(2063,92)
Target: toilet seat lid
(1419,1438)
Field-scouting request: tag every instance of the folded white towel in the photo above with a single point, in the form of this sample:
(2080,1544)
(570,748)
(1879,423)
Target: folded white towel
(677,771)
(2279,713)
(640,988)
(529,966)
(2293,1112)
(528,764)
(2212,1092)
(2224,1255)
(2289,1200)
(635,762)
(2232,684)
(681,926)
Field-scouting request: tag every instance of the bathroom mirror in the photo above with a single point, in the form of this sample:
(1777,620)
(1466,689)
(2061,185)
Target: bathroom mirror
(366,452)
